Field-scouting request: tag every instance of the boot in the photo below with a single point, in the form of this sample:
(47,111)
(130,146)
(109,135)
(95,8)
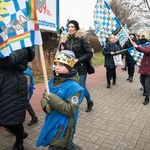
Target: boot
(20,147)
(114,82)
(33,121)
(25,135)
(74,147)
(123,69)
(128,78)
(108,85)
(131,79)
(146,101)
(89,106)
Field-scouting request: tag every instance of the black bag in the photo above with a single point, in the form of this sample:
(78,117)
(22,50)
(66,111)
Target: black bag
(90,68)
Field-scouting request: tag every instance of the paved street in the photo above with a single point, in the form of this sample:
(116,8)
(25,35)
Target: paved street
(119,120)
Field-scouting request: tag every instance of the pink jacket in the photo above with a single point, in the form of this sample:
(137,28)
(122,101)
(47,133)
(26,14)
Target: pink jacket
(145,63)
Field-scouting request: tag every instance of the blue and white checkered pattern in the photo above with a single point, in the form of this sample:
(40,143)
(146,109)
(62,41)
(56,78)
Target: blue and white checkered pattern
(137,56)
(123,35)
(105,22)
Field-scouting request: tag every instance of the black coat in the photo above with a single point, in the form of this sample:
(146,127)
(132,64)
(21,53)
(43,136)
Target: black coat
(13,87)
(110,47)
(82,50)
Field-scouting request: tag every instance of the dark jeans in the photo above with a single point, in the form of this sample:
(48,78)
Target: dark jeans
(82,82)
(131,69)
(18,131)
(145,81)
(111,72)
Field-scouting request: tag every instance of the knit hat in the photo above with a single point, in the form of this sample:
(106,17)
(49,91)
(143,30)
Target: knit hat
(66,57)
(75,23)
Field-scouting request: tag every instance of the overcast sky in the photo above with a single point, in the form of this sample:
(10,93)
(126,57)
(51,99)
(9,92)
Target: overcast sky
(80,10)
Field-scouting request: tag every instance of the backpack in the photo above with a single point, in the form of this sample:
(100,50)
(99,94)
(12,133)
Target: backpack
(31,87)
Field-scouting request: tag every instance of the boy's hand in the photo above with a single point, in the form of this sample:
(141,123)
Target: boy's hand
(44,103)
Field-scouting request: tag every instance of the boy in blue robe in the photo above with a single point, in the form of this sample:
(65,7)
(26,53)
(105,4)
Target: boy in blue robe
(61,105)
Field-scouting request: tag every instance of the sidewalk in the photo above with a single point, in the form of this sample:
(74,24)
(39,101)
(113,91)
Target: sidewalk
(119,120)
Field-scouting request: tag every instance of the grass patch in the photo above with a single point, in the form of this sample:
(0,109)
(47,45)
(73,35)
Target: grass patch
(98,59)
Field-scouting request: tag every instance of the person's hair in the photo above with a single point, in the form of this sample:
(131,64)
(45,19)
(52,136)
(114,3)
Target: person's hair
(111,36)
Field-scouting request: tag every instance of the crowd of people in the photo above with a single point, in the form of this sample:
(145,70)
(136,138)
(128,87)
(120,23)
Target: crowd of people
(67,86)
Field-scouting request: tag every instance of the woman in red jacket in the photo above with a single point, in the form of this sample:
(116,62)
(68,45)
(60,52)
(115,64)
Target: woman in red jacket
(144,70)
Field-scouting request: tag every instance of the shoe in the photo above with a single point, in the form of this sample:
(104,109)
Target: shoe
(128,78)
(25,135)
(8,131)
(146,101)
(89,106)
(21,147)
(131,79)
(33,121)
(74,147)
(123,69)
(144,94)
(114,82)
(108,86)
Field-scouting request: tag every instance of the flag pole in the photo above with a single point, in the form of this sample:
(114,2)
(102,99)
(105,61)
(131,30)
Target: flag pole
(44,68)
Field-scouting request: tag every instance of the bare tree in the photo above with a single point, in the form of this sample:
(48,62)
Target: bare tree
(132,12)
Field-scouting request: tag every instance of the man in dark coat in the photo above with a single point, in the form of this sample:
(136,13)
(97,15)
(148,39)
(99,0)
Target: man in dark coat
(144,70)
(13,93)
(129,59)
(143,40)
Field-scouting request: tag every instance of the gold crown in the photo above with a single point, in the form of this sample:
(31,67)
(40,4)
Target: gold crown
(65,59)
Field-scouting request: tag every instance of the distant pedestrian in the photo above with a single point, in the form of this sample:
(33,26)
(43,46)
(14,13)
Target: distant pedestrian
(30,81)
(129,59)
(108,51)
(144,70)
(61,105)
(143,40)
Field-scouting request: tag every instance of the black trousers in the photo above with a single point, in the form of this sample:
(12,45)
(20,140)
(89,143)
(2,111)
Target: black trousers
(111,72)
(145,81)
(30,110)
(18,131)
(131,69)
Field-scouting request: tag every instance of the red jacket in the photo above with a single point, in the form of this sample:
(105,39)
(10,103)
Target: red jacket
(145,63)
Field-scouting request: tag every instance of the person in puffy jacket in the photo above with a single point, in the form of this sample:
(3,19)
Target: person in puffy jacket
(77,42)
(13,93)
(144,70)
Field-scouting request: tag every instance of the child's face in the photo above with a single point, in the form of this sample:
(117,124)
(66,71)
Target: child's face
(60,68)
(112,40)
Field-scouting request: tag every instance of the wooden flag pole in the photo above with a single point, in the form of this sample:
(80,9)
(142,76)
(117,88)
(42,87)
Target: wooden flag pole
(44,68)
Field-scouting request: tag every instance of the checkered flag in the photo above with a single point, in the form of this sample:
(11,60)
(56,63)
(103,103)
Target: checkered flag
(123,35)
(105,22)
(137,56)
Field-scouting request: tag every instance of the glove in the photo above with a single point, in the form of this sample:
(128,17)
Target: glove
(44,103)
